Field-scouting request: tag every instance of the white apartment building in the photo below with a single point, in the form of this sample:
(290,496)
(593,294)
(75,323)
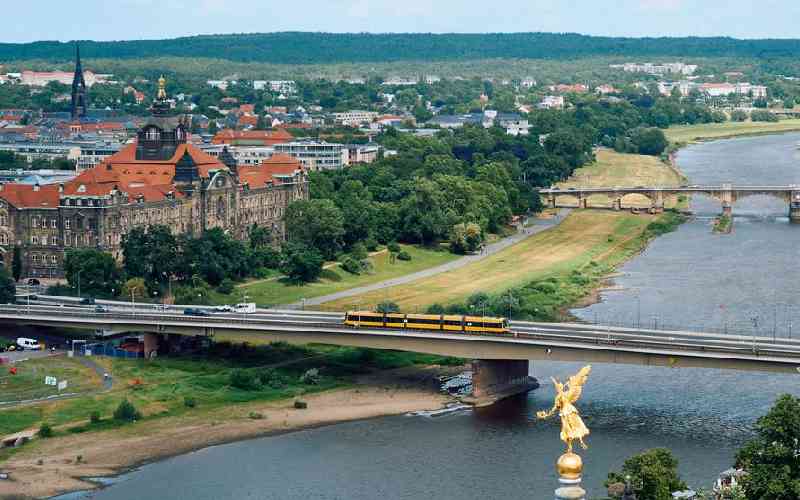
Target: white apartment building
(362,153)
(527,83)
(355,118)
(316,155)
(283,86)
(92,155)
(552,102)
(678,68)
(259,84)
(244,155)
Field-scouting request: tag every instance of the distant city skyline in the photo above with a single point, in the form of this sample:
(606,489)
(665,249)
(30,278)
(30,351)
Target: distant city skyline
(35,20)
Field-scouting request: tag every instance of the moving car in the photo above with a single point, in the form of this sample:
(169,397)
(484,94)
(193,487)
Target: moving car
(100,309)
(193,311)
(87,301)
(28,344)
(223,309)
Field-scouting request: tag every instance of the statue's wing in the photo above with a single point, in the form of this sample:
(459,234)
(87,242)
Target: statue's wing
(576,383)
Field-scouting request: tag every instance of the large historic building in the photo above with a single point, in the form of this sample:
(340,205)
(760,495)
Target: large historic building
(158,179)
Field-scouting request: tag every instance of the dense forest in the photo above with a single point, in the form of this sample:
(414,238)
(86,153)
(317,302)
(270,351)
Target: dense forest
(311,48)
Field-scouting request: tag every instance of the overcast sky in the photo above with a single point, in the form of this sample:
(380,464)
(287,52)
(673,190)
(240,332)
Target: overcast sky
(29,20)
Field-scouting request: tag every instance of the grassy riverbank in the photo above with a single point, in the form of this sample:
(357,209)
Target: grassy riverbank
(232,392)
(572,257)
(693,133)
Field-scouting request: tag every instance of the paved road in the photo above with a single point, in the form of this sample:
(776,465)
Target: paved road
(492,249)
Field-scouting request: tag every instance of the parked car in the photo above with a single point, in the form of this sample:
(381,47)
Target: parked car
(87,301)
(100,309)
(223,309)
(28,344)
(33,282)
(193,311)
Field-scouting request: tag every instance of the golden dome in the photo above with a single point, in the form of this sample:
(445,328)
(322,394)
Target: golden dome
(569,466)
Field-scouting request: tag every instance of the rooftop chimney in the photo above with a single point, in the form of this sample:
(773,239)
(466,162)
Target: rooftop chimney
(36,187)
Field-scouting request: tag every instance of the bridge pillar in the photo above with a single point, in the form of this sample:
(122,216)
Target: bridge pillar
(150,345)
(794,208)
(552,201)
(658,202)
(583,202)
(493,380)
(727,209)
(617,204)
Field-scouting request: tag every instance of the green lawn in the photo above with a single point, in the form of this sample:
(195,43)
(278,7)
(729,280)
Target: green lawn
(28,383)
(692,133)
(335,279)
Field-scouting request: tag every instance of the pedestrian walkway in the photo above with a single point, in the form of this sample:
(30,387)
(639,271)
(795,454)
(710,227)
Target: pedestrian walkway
(524,233)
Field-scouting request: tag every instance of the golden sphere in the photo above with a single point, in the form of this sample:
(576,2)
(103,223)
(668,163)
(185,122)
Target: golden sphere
(569,466)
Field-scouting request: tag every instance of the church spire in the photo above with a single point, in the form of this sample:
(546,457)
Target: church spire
(80,102)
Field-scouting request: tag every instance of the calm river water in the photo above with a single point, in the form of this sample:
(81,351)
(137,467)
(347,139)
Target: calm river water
(690,277)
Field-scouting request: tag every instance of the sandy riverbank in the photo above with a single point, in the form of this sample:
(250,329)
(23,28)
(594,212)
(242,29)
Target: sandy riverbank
(115,451)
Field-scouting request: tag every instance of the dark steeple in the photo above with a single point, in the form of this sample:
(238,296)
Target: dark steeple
(159,138)
(80,99)
(228,160)
(186,171)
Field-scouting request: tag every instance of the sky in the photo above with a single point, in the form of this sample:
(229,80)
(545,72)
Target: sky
(153,19)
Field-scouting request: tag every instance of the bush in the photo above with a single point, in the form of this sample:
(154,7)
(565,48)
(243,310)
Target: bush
(435,309)
(359,251)
(300,405)
(739,115)
(393,247)
(189,402)
(352,265)
(242,379)
(371,244)
(126,412)
(45,431)
(763,116)
(403,255)
(226,287)
(301,263)
(94,417)
(255,415)
(261,272)
(310,377)
(387,306)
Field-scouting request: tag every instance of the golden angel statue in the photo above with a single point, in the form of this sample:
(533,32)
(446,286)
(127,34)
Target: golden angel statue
(162,88)
(572,427)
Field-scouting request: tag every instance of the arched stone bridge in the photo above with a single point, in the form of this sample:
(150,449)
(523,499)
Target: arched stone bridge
(726,194)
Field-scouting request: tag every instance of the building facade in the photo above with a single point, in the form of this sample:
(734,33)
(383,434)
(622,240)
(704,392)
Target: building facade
(158,179)
(315,155)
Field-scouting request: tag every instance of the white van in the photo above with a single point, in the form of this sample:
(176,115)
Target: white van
(245,307)
(28,344)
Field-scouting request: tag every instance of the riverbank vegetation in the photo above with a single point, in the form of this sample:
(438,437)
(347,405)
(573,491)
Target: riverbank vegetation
(723,224)
(707,131)
(224,374)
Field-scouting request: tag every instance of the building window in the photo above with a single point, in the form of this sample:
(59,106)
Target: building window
(67,223)
(54,223)
(3,220)
(54,259)
(54,241)
(34,222)
(35,258)
(34,240)
(3,239)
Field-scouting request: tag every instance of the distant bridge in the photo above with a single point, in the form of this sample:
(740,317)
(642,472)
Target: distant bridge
(726,194)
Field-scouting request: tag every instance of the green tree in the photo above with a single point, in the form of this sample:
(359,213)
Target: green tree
(8,288)
(302,263)
(465,238)
(95,272)
(134,288)
(772,458)
(317,224)
(739,115)
(654,474)
(649,141)
(16,264)
(387,306)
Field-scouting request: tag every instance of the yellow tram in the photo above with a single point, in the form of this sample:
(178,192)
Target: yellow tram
(442,322)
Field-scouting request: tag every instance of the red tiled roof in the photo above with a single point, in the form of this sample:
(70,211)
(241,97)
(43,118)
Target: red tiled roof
(246,120)
(265,137)
(27,195)
(272,169)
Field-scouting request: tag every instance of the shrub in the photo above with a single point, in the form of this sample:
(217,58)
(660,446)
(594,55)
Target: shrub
(226,287)
(189,402)
(300,405)
(387,306)
(255,415)
(739,115)
(242,379)
(45,431)
(94,417)
(371,244)
(393,247)
(310,377)
(126,412)
(272,378)
(359,251)
(403,255)
(435,309)
(352,266)
(261,272)
(761,115)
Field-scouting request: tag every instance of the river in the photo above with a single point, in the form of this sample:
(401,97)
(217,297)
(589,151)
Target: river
(690,278)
